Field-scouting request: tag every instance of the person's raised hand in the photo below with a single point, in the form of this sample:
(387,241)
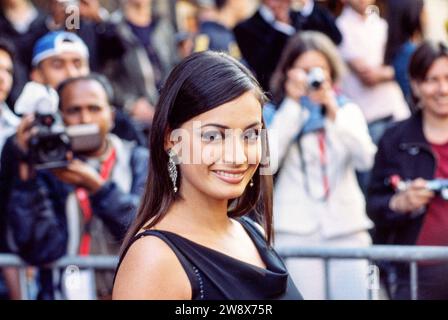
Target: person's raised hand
(296,84)
(326,98)
(413,198)
(90,9)
(80,174)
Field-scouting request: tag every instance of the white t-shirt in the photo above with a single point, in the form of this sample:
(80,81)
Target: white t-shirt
(365,38)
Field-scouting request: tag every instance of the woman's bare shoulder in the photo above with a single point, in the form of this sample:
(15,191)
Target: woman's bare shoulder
(150,270)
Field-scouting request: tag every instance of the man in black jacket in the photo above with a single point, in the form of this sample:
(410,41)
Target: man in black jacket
(314,17)
(263,37)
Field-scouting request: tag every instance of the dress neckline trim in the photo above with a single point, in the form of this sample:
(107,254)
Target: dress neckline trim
(252,237)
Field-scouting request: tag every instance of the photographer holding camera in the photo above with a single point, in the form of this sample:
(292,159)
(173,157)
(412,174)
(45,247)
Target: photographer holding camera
(321,139)
(57,56)
(86,207)
(414,211)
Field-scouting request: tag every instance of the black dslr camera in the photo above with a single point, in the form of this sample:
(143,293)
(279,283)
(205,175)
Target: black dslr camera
(49,147)
(52,144)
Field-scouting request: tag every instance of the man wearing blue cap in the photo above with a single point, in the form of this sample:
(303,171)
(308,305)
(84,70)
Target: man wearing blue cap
(58,56)
(61,55)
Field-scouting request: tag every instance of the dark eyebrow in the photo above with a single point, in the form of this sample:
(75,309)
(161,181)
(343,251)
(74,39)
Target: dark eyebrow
(225,127)
(71,107)
(95,106)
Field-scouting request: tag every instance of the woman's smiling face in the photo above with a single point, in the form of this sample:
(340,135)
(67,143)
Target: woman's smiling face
(433,90)
(219,150)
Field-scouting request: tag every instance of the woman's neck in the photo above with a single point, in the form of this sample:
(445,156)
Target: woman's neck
(138,15)
(435,127)
(199,210)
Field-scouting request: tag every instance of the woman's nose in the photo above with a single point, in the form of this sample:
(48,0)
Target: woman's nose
(236,151)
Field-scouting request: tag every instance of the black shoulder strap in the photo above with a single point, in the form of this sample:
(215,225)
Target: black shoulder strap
(253,228)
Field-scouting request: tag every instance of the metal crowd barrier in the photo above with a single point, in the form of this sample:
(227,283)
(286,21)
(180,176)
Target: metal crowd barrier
(410,254)
(97,262)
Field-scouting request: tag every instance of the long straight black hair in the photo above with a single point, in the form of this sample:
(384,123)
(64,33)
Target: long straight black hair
(201,82)
(404,20)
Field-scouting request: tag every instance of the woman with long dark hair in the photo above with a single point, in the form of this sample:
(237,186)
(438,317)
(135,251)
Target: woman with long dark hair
(190,239)
(405,19)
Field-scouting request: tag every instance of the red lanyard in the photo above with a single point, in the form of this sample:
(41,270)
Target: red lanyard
(323,166)
(86,208)
(323,162)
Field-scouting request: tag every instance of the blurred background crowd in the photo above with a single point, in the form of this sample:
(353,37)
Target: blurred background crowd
(358,114)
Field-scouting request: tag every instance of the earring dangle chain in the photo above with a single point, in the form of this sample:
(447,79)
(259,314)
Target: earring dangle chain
(172,169)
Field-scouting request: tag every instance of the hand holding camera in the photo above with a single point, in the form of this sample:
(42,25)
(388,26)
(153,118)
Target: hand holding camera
(321,92)
(80,174)
(90,9)
(411,195)
(24,132)
(56,154)
(296,84)
(314,84)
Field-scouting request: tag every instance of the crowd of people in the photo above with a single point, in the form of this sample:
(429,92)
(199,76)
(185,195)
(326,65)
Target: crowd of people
(356,114)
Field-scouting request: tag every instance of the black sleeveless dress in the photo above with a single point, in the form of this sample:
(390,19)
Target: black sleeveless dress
(217,276)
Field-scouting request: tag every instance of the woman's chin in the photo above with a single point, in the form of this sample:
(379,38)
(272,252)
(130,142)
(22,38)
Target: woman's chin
(227,192)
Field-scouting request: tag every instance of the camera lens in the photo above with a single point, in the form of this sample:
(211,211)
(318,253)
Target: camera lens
(315,78)
(51,150)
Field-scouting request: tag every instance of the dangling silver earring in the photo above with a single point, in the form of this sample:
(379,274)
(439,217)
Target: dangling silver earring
(172,169)
(251,184)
